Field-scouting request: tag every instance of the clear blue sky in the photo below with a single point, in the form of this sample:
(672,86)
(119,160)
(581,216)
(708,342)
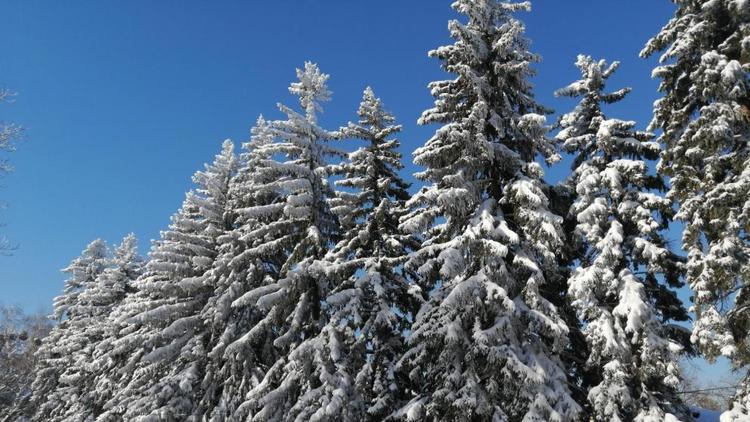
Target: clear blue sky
(124,100)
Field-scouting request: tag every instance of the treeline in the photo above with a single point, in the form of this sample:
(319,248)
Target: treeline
(300,281)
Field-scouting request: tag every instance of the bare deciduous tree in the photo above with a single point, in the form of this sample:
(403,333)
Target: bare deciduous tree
(10,133)
(20,336)
(711,395)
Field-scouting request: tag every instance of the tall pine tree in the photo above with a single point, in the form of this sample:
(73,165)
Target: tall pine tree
(161,349)
(50,394)
(371,306)
(486,344)
(616,288)
(302,231)
(705,119)
(353,356)
(93,331)
(241,347)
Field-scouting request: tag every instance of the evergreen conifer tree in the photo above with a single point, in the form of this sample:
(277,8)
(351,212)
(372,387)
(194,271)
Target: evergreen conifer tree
(353,356)
(616,288)
(302,230)
(241,349)
(486,345)
(161,352)
(91,330)
(370,308)
(705,121)
(56,354)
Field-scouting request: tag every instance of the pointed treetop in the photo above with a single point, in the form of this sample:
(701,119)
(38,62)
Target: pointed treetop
(83,270)
(222,168)
(93,252)
(260,134)
(595,74)
(586,129)
(260,123)
(371,110)
(224,161)
(227,148)
(311,89)
(126,250)
(486,12)
(254,153)
(126,255)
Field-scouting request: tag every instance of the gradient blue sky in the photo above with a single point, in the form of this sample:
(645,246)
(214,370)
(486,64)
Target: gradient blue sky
(124,100)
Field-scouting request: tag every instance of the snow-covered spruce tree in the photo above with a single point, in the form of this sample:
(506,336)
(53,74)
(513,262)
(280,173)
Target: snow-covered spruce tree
(55,355)
(241,349)
(302,231)
(633,364)
(372,303)
(351,361)
(705,119)
(486,344)
(91,330)
(157,362)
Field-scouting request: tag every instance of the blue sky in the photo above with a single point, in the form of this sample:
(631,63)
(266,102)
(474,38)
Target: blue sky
(124,100)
